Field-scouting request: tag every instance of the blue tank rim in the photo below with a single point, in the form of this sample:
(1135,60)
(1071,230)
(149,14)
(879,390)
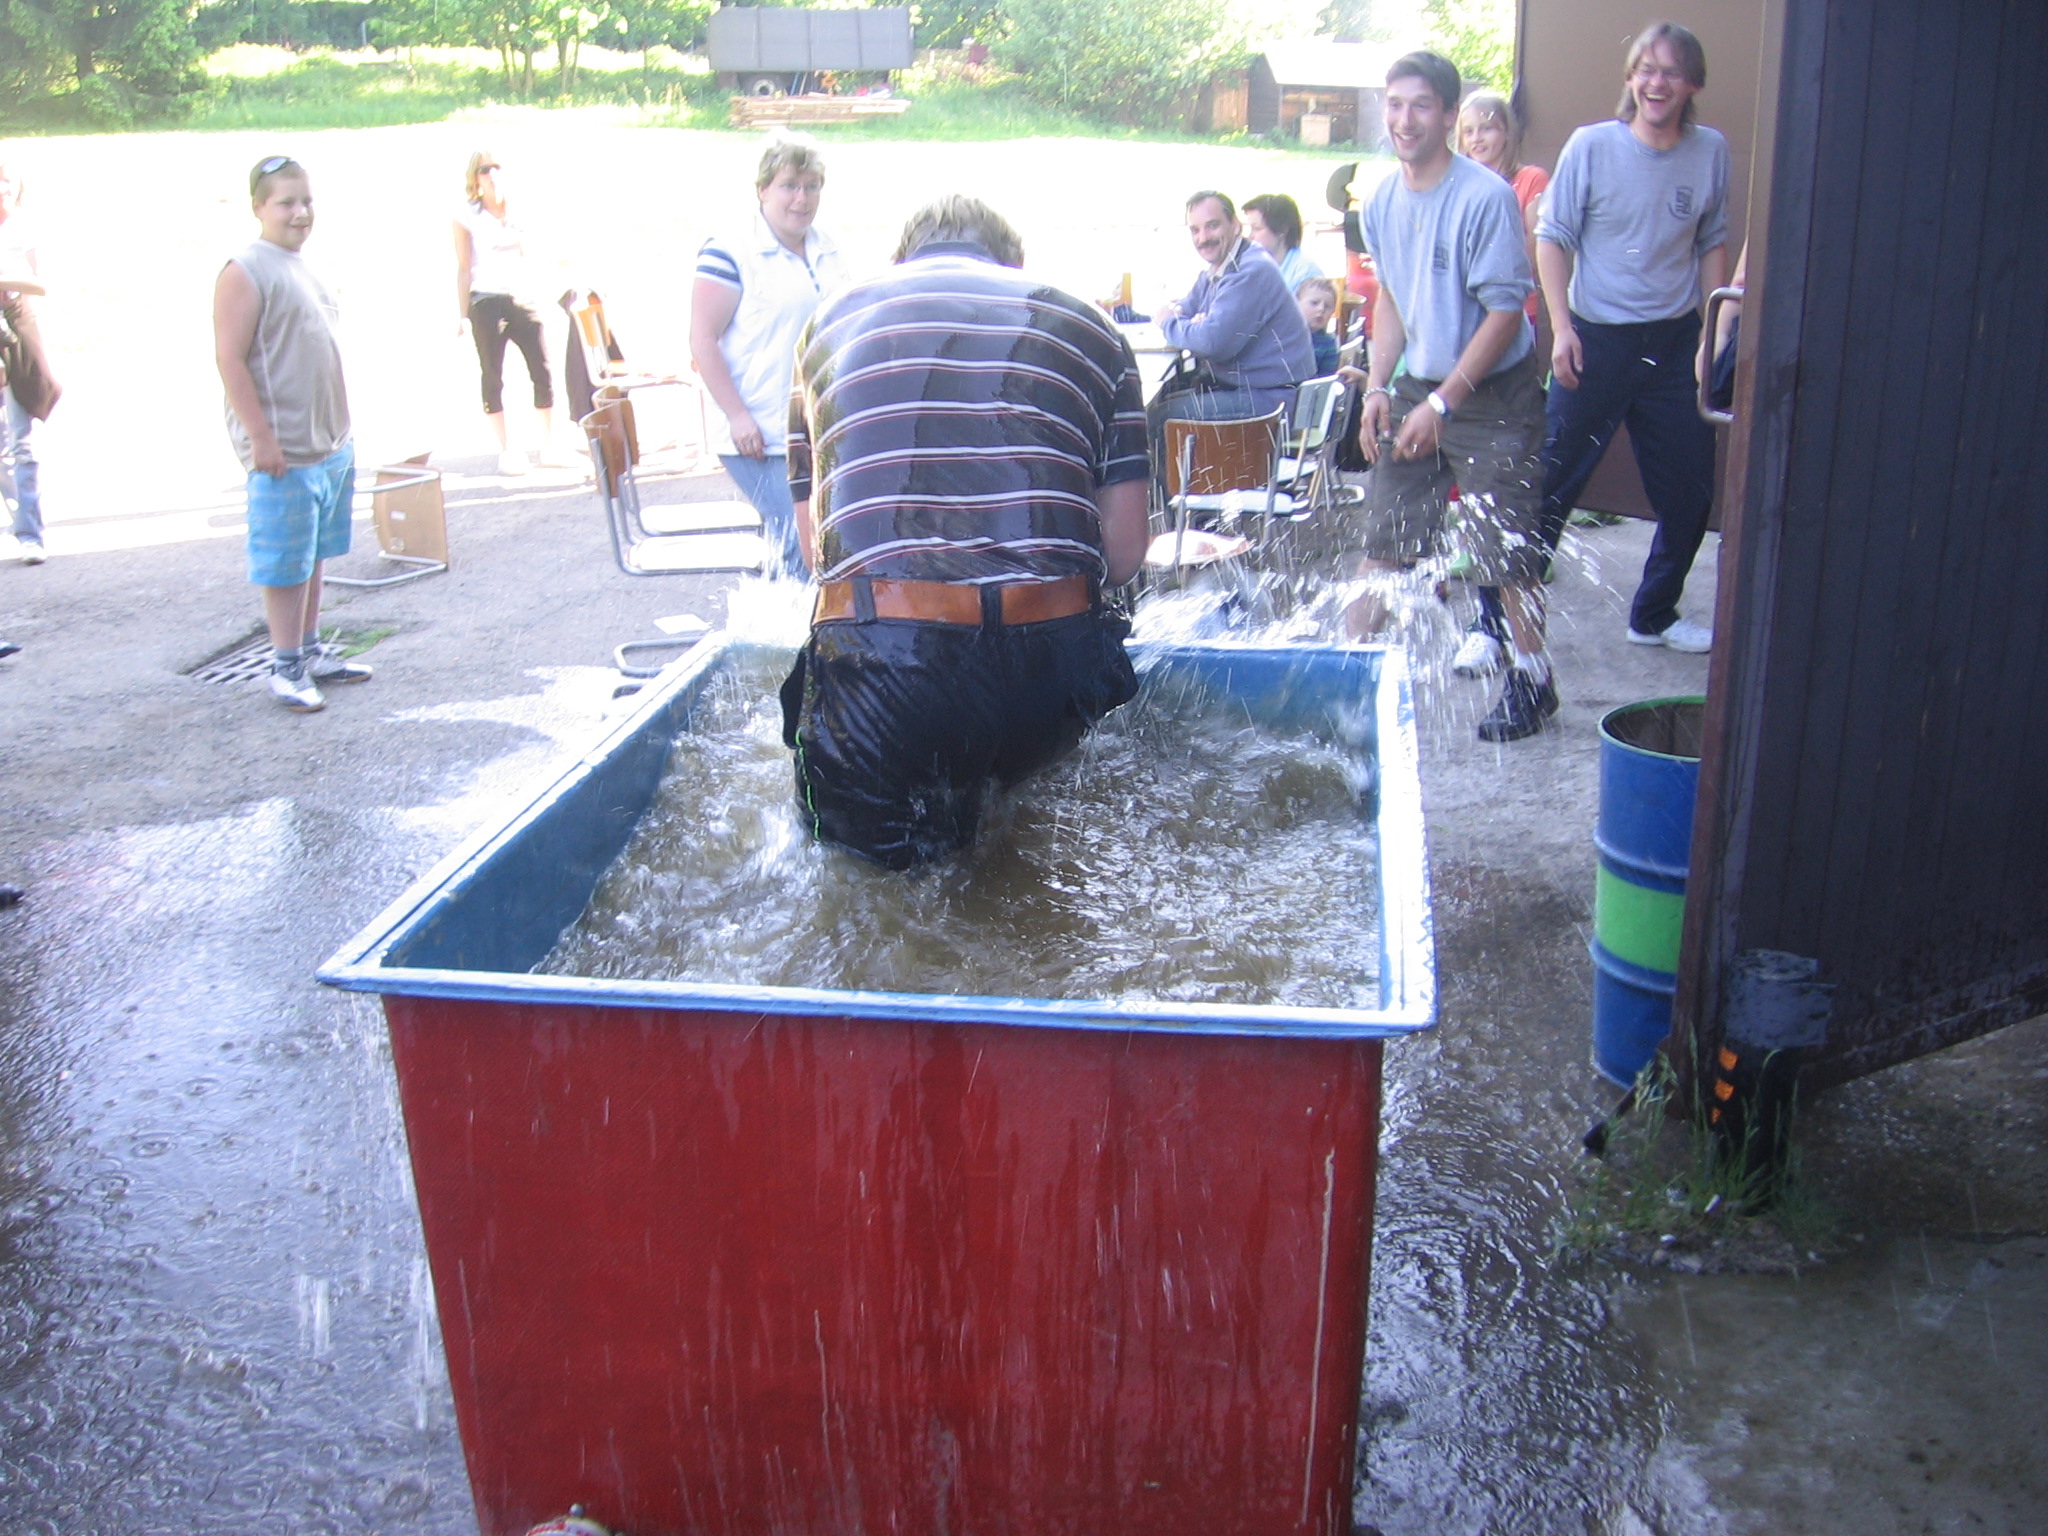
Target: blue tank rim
(1408,983)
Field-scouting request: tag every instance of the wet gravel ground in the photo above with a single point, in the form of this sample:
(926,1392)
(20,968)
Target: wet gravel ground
(213,1308)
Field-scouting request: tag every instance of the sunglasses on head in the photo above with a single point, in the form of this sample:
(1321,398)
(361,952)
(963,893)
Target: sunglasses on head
(274,164)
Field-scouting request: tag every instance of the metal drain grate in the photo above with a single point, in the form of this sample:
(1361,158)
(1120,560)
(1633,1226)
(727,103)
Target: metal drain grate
(247,662)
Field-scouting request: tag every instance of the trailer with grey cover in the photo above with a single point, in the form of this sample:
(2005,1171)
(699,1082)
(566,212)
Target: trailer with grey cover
(777,51)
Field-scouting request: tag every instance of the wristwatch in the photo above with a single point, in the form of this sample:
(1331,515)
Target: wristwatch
(1437,404)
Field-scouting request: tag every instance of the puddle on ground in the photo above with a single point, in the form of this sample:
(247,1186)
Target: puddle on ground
(214,1315)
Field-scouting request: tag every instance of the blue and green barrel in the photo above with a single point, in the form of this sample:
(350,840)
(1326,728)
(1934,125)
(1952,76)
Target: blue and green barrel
(1649,775)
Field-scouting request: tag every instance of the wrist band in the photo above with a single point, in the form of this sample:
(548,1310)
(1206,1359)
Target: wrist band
(1380,389)
(1436,403)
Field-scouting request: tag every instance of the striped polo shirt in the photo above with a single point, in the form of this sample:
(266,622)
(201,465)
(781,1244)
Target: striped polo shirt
(953,419)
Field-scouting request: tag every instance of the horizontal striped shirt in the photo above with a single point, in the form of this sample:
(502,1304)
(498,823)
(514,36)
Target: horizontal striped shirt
(953,419)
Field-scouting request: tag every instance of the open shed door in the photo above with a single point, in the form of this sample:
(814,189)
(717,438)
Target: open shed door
(1874,788)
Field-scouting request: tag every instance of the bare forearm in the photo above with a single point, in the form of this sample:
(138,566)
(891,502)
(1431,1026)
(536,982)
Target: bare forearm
(711,366)
(1481,356)
(1713,271)
(1389,339)
(246,402)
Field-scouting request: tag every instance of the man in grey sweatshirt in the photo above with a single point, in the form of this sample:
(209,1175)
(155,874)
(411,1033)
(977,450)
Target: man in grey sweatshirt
(1239,323)
(1633,232)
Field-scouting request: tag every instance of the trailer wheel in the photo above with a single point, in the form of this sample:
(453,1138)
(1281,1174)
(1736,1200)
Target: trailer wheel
(761,85)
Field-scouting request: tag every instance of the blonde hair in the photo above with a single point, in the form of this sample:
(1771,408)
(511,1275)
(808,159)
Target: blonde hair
(472,176)
(961,218)
(1484,104)
(789,152)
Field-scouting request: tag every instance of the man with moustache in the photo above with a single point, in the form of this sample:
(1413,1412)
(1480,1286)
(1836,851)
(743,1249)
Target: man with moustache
(1633,233)
(1239,323)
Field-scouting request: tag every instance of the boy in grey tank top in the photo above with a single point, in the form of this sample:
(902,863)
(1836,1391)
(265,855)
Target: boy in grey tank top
(287,411)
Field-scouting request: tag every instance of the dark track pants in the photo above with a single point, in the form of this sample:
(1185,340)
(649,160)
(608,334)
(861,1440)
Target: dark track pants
(1641,376)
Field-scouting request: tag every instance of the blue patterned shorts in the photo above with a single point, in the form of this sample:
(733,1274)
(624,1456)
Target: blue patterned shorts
(300,518)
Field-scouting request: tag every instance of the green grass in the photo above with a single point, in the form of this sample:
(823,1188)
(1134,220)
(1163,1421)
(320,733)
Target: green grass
(250,89)
(1667,1192)
(267,88)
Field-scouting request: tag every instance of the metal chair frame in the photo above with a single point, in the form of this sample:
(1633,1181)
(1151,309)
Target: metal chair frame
(727,533)
(1308,463)
(411,521)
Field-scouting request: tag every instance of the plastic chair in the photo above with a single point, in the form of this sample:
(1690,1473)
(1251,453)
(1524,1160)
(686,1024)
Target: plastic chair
(688,538)
(1220,472)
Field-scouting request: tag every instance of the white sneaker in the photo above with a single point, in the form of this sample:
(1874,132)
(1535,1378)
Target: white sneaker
(1479,656)
(326,664)
(295,691)
(31,551)
(1683,635)
(511,462)
(556,457)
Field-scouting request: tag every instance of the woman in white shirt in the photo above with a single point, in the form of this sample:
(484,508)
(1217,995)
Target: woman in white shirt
(755,289)
(496,292)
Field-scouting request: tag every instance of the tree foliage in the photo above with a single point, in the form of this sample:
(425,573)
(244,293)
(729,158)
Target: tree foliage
(1476,35)
(950,23)
(520,31)
(1130,61)
(117,60)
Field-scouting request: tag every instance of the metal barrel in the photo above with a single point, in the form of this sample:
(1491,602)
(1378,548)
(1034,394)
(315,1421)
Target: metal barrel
(1649,776)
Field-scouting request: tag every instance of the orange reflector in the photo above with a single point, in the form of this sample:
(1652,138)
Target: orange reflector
(1728,1059)
(1723,1089)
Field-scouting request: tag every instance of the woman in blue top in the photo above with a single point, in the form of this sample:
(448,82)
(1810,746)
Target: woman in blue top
(1272,221)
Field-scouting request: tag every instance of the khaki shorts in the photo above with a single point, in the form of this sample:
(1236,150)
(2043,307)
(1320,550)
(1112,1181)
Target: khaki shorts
(1492,451)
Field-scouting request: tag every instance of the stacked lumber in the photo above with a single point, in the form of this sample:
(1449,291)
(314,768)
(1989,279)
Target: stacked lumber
(765,111)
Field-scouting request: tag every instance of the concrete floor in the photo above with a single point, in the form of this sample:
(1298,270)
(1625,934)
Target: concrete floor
(1897,1388)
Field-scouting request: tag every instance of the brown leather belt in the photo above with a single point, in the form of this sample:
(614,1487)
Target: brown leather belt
(945,602)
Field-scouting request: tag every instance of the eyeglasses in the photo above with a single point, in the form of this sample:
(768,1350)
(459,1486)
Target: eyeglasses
(1650,72)
(485,170)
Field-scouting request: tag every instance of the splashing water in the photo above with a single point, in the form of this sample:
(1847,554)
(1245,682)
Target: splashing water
(1180,855)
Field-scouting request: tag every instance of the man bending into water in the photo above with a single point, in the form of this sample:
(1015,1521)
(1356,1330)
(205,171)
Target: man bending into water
(967,456)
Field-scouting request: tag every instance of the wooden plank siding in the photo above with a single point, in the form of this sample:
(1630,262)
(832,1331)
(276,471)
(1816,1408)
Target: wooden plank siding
(1875,789)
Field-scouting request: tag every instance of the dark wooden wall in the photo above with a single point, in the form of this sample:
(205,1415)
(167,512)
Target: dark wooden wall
(1875,788)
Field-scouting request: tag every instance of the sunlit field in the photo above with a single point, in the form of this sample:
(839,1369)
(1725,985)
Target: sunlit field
(134,227)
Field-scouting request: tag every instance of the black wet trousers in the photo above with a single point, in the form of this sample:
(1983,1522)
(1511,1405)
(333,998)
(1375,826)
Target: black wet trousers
(900,727)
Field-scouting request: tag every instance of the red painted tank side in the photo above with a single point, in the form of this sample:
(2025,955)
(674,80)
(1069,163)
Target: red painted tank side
(824,1277)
